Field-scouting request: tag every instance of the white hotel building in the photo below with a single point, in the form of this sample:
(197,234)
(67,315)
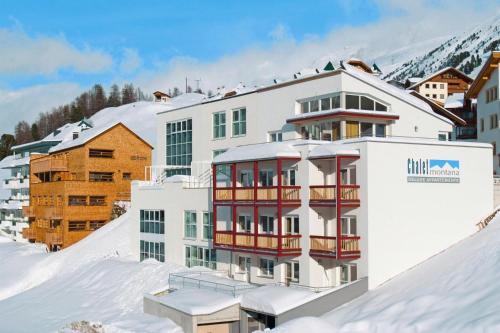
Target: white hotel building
(325,180)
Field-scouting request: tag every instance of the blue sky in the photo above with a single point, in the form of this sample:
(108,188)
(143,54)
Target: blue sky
(51,51)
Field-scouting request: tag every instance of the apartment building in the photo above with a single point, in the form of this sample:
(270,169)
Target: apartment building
(77,185)
(485,89)
(17,180)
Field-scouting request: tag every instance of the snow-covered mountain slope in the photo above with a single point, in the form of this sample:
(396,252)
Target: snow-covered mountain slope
(457,290)
(93,280)
(140,117)
(466,51)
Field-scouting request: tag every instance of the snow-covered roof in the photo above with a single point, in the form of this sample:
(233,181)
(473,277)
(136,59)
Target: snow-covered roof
(197,301)
(12,162)
(438,108)
(413,80)
(441,71)
(261,151)
(455,100)
(332,149)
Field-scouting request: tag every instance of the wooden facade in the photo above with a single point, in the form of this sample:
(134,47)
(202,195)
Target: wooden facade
(457,81)
(73,191)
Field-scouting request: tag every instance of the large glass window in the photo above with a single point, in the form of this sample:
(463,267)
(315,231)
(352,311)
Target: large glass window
(240,122)
(363,103)
(352,102)
(152,221)
(207,225)
(190,224)
(266,224)
(200,256)
(380,130)
(266,267)
(266,177)
(366,129)
(244,223)
(179,147)
(219,124)
(154,250)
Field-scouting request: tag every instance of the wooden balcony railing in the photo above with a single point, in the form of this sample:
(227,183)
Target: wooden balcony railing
(265,242)
(223,194)
(244,193)
(53,237)
(267,193)
(29,233)
(325,244)
(329,193)
(49,163)
(288,193)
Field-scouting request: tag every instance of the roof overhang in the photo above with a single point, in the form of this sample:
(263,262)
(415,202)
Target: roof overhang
(341,113)
(440,109)
(484,75)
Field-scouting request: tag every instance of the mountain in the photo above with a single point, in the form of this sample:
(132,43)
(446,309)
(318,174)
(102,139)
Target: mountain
(466,51)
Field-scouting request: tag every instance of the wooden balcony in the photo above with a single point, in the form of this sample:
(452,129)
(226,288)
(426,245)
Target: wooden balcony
(54,237)
(29,233)
(49,163)
(327,194)
(29,211)
(326,246)
(288,194)
(258,243)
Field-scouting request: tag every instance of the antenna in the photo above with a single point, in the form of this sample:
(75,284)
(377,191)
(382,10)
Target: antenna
(198,84)
(186,85)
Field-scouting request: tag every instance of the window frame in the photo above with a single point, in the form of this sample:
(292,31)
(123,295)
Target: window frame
(267,270)
(218,126)
(190,224)
(207,225)
(239,123)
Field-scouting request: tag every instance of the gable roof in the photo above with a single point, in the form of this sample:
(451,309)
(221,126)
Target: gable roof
(439,109)
(439,72)
(483,76)
(160,93)
(360,64)
(91,134)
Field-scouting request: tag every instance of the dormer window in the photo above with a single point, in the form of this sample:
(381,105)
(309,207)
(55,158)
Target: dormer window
(75,135)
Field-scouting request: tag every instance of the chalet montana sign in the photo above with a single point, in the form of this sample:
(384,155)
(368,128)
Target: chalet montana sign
(432,171)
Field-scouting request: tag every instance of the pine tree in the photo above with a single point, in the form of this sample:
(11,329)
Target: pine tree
(6,143)
(35,134)
(76,113)
(128,94)
(176,92)
(97,99)
(115,97)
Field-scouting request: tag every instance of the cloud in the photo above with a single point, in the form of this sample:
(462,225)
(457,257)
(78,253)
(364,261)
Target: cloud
(27,103)
(403,32)
(131,61)
(21,54)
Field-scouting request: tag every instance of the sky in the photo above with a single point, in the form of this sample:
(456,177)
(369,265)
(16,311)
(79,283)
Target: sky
(50,51)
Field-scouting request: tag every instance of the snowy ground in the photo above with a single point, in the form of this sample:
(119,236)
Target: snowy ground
(457,290)
(94,280)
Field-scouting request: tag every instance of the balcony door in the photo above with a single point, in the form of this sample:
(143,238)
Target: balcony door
(244,265)
(245,223)
(291,226)
(348,176)
(266,178)
(349,226)
(288,177)
(246,178)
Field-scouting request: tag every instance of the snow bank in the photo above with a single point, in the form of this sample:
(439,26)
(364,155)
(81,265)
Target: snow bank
(455,291)
(93,280)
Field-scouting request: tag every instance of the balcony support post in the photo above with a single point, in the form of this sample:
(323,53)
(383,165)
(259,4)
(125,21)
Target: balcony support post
(233,208)
(279,167)
(214,206)
(338,207)
(255,207)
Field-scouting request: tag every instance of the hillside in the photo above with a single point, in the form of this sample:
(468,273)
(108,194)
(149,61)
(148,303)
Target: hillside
(466,51)
(93,280)
(454,291)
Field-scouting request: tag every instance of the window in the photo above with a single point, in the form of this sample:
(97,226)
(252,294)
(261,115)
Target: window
(179,146)
(77,226)
(442,136)
(380,130)
(491,94)
(288,177)
(239,122)
(348,273)
(326,104)
(266,178)
(348,225)
(126,176)
(207,225)
(304,107)
(314,105)
(292,271)
(367,103)
(335,131)
(352,129)
(244,223)
(152,221)
(366,129)
(275,136)
(427,95)
(348,176)
(291,225)
(101,153)
(246,178)
(94,225)
(494,121)
(266,267)
(77,200)
(441,86)
(200,256)
(244,264)
(219,123)
(190,224)
(154,250)
(441,96)
(434,96)
(106,177)
(427,85)
(352,102)
(97,201)
(266,224)
(336,102)
(434,86)
(481,125)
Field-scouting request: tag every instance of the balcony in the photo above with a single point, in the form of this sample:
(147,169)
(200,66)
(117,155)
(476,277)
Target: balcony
(325,246)
(29,234)
(262,194)
(29,211)
(49,163)
(53,237)
(286,245)
(327,195)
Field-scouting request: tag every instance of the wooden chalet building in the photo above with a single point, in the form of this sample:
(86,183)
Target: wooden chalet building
(74,187)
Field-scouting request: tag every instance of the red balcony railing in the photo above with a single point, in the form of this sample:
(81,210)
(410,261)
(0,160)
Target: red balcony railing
(327,246)
(258,242)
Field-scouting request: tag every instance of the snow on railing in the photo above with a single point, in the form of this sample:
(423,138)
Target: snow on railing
(201,174)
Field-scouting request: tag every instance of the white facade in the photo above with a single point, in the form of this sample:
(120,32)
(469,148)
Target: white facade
(438,91)
(394,231)
(488,116)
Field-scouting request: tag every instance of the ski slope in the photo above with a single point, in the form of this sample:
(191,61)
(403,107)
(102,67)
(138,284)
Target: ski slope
(94,280)
(457,290)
